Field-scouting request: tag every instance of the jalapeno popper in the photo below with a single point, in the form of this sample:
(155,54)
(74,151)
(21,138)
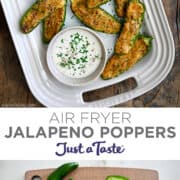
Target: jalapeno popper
(37,12)
(95,18)
(95,3)
(121,7)
(54,23)
(121,63)
(134,18)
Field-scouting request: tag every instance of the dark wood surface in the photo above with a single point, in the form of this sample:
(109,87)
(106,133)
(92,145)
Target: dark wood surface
(14,91)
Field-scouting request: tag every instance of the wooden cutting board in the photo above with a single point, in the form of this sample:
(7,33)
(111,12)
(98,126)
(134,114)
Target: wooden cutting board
(94,173)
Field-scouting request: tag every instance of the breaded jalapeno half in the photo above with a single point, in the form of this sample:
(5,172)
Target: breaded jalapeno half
(54,23)
(121,63)
(37,12)
(121,7)
(95,18)
(134,18)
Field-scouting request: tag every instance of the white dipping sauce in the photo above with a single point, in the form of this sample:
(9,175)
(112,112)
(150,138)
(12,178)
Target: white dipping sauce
(77,53)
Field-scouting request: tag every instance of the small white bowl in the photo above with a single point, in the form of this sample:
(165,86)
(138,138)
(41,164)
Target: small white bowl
(69,80)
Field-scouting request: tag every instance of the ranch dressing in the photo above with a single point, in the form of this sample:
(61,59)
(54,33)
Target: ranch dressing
(77,53)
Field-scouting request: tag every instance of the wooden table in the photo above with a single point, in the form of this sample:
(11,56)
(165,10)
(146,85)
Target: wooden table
(14,91)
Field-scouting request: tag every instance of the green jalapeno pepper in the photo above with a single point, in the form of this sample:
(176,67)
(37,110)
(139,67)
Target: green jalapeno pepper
(62,171)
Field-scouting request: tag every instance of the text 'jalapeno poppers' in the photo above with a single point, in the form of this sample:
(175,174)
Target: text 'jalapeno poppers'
(134,18)
(51,11)
(121,63)
(95,3)
(95,18)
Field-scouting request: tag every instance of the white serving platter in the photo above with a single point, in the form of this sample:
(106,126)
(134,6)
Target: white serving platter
(148,73)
